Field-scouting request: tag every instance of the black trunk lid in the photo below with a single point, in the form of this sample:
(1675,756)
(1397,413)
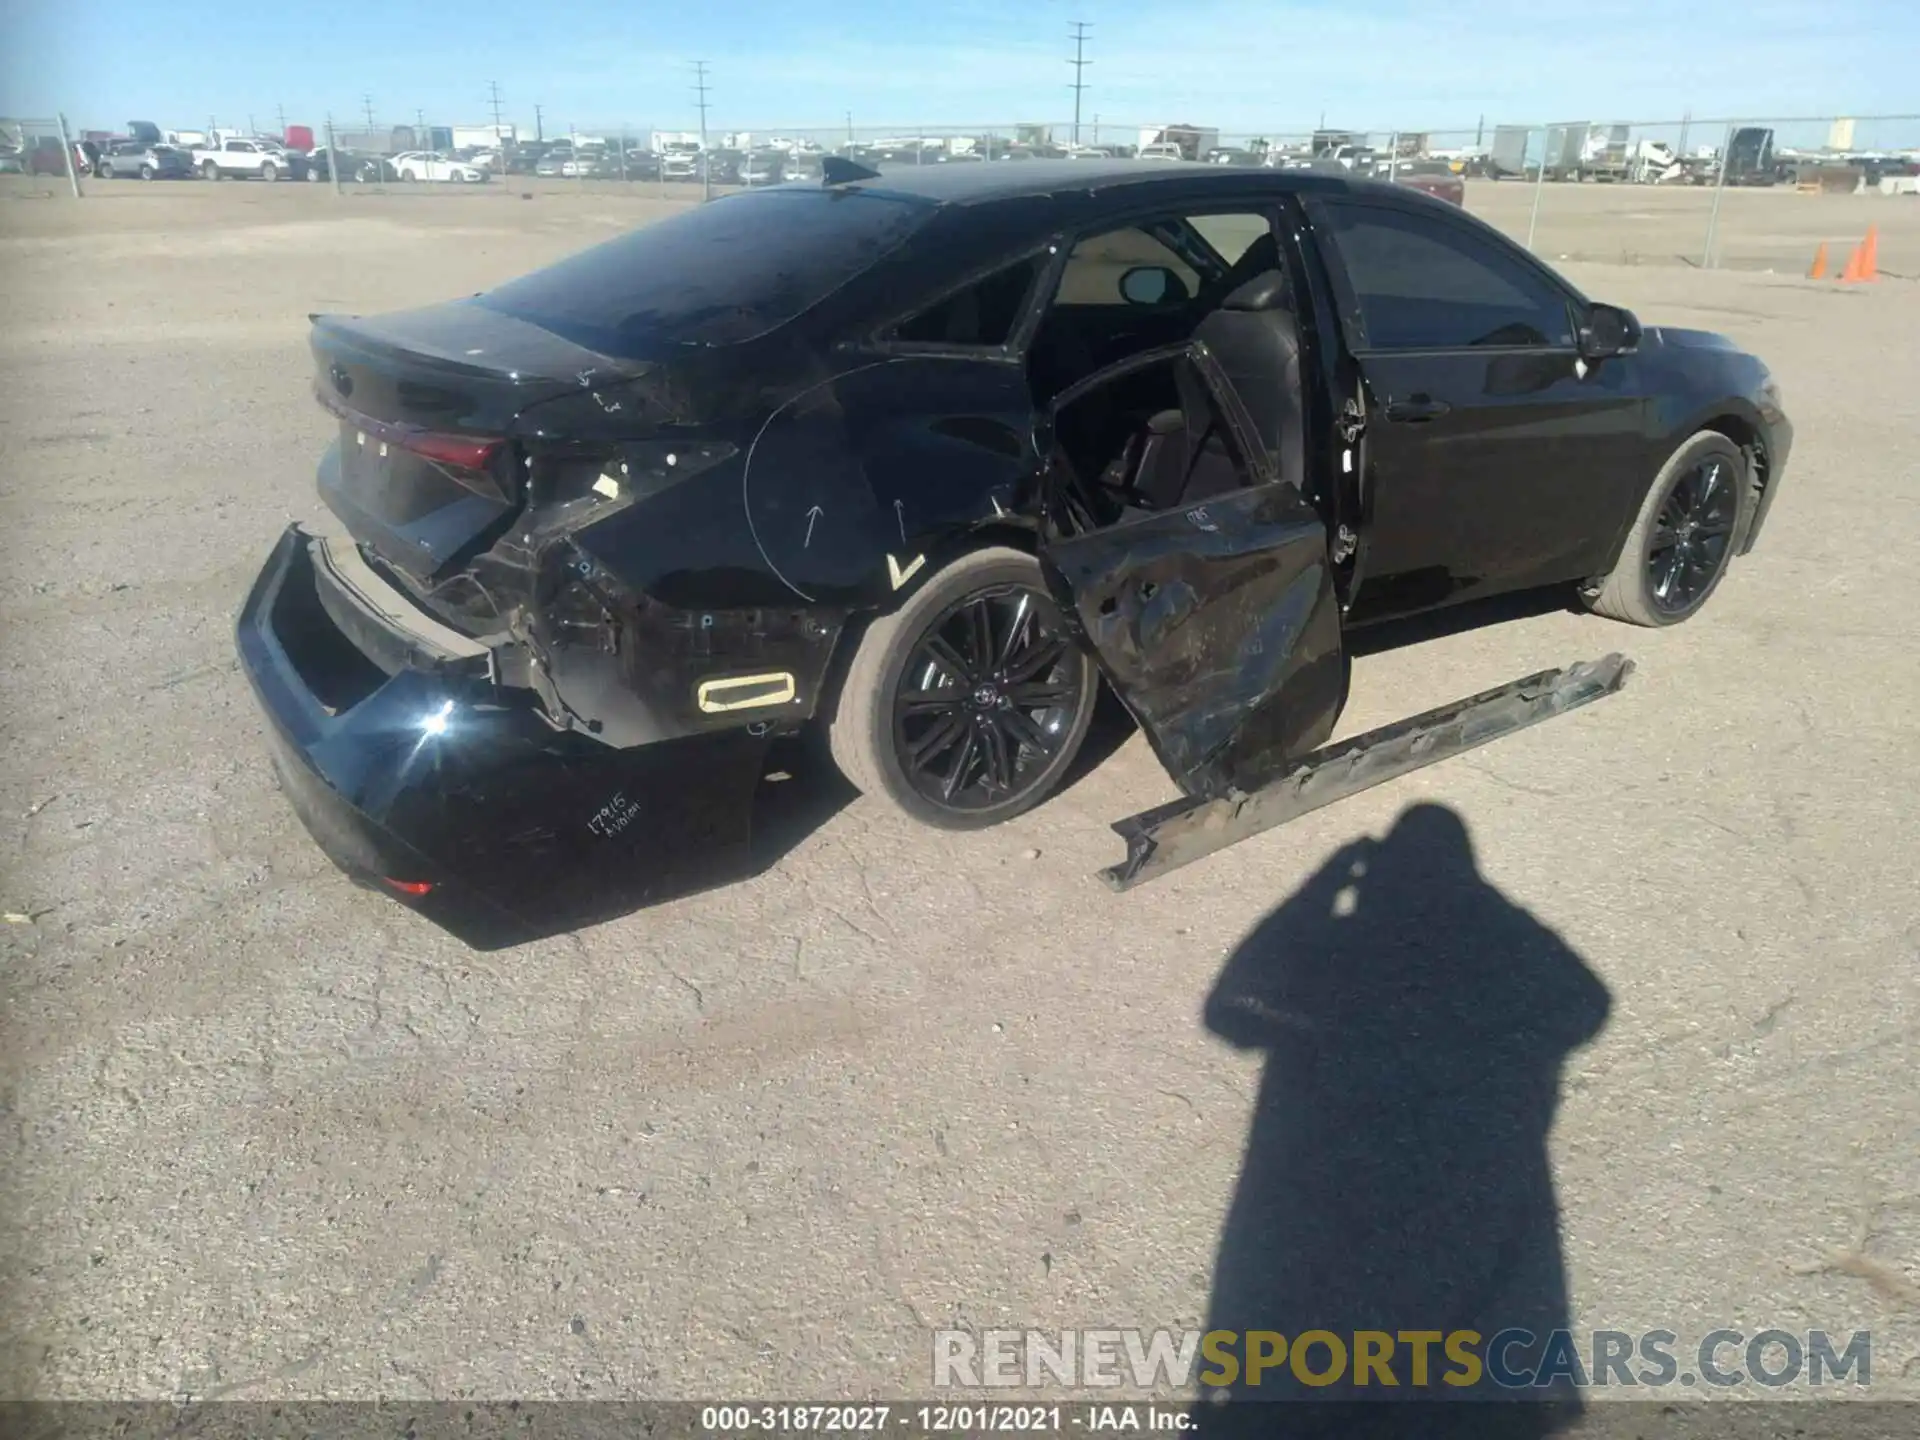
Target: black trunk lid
(426,471)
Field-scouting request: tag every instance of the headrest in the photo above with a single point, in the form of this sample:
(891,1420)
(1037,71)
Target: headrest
(1266,291)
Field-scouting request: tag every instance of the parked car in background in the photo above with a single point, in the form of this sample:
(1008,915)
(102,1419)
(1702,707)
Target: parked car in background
(1435,177)
(432,165)
(723,166)
(45,157)
(643,165)
(763,167)
(361,169)
(126,159)
(801,167)
(236,159)
(680,165)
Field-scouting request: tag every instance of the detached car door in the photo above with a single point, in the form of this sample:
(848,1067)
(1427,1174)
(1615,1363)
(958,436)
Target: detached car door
(1495,458)
(1215,619)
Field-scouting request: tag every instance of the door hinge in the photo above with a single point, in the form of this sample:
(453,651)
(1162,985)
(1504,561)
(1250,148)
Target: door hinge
(1344,544)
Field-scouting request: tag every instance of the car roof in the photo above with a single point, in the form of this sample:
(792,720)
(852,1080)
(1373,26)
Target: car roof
(966,184)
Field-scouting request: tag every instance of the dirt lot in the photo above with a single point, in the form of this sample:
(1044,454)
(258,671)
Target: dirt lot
(267,1135)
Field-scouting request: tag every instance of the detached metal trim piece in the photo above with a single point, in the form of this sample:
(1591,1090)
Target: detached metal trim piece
(1170,836)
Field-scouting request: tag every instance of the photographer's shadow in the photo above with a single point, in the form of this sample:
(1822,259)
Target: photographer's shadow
(1396,1175)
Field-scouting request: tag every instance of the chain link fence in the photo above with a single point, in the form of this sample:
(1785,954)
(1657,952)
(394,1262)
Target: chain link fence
(1709,192)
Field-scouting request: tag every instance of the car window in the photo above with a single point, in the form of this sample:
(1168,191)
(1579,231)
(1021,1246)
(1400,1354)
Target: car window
(237,145)
(716,274)
(1230,235)
(1423,284)
(982,314)
(1096,264)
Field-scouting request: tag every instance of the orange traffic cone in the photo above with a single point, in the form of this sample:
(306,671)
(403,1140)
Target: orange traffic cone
(1853,271)
(1819,270)
(1870,254)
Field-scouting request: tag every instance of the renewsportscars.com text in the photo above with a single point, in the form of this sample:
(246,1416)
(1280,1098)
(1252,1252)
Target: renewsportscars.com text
(1513,1359)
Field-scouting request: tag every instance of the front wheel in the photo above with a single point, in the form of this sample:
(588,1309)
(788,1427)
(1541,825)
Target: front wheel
(147,172)
(210,171)
(269,172)
(408,176)
(1680,544)
(967,705)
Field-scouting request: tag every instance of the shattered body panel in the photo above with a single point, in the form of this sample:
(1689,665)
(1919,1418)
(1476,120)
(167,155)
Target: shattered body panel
(612,528)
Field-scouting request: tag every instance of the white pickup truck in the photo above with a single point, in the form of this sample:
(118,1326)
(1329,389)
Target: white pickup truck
(249,159)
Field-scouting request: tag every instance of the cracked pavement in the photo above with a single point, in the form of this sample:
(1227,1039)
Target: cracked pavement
(269,1136)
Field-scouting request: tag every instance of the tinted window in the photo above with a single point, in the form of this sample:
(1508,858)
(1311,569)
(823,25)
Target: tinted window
(1094,269)
(713,275)
(982,314)
(1424,284)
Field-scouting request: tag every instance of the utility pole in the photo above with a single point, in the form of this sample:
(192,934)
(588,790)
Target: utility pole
(493,100)
(281,111)
(539,125)
(706,162)
(367,101)
(1079,63)
(421,140)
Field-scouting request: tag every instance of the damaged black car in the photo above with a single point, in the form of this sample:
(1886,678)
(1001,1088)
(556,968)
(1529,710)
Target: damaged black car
(924,459)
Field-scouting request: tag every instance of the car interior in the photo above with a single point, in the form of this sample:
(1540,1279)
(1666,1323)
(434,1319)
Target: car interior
(1152,438)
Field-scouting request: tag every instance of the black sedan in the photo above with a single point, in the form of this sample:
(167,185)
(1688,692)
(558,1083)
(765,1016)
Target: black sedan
(920,459)
(358,168)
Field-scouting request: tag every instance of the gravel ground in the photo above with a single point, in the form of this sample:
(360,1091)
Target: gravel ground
(268,1136)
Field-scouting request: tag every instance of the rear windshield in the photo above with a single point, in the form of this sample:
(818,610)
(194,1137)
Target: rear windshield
(717,274)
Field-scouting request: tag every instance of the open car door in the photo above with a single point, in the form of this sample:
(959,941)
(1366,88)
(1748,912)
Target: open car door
(1208,601)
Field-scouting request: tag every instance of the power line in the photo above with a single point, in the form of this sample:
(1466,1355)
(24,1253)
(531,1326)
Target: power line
(1079,63)
(706,162)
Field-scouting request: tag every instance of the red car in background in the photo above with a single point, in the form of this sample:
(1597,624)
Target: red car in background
(1435,177)
(44,158)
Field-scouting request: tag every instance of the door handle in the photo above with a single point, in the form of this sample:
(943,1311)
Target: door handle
(1416,409)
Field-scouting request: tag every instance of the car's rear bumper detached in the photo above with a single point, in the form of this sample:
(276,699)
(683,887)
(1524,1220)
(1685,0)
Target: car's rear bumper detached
(420,777)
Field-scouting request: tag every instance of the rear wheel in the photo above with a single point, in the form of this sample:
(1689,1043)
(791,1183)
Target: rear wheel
(210,171)
(408,176)
(1682,540)
(147,172)
(269,172)
(967,705)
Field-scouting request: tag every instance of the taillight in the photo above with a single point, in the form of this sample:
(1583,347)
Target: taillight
(460,451)
(408,887)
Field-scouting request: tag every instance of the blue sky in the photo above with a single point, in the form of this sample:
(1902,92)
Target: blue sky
(1242,65)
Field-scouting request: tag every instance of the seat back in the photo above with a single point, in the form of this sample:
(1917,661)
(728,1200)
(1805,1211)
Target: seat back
(1256,339)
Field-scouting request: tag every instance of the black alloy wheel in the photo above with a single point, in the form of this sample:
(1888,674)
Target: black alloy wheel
(988,699)
(1691,535)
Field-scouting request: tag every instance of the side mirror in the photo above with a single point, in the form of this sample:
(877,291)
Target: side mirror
(1607,330)
(1152,285)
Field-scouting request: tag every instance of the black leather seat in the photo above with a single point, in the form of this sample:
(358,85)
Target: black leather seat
(1256,339)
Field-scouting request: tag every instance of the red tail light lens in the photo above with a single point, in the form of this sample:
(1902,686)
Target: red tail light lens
(409,887)
(462,452)
(457,452)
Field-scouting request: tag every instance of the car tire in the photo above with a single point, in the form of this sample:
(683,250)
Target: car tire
(874,727)
(210,171)
(1682,540)
(269,172)
(408,176)
(147,172)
